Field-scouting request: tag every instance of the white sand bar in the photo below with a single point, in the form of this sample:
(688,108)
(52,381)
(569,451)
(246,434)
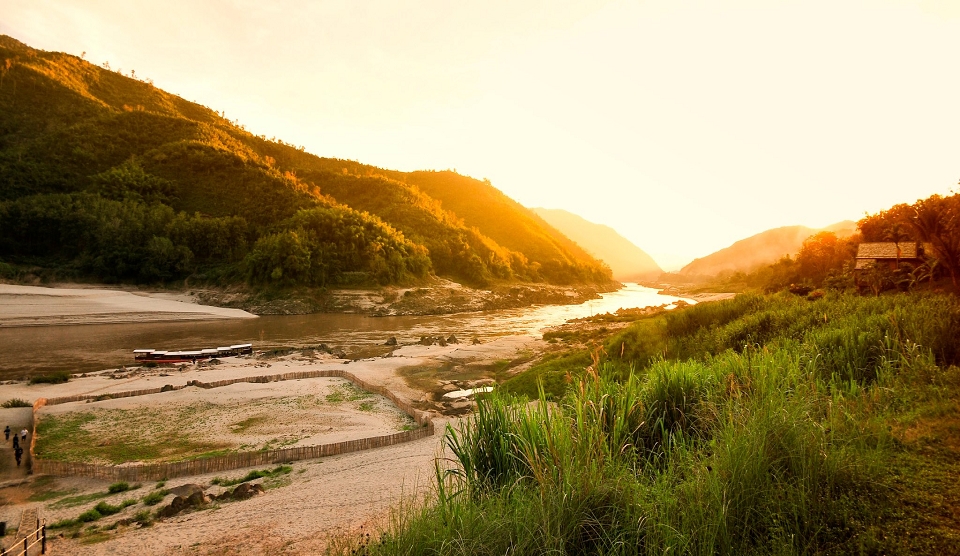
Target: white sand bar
(40,306)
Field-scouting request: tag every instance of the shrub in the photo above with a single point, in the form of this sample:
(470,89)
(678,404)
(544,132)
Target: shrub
(58,377)
(16,402)
(104,508)
(143,517)
(63,523)
(89,515)
(155,497)
(122,486)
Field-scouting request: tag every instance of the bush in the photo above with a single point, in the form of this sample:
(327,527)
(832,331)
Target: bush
(122,486)
(155,497)
(89,515)
(58,377)
(104,508)
(143,517)
(15,402)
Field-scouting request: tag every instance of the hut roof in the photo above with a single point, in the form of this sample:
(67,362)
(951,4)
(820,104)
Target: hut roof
(887,250)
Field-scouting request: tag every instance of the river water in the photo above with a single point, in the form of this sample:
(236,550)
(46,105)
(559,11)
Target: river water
(30,351)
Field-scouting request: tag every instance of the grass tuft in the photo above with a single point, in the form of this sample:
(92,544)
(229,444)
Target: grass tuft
(254,475)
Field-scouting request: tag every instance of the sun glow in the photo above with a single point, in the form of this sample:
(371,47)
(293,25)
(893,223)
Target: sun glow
(685,126)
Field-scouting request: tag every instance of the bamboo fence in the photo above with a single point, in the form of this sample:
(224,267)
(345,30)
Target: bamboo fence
(157,471)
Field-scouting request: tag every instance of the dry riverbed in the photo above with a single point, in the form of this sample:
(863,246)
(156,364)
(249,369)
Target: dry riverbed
(301,508)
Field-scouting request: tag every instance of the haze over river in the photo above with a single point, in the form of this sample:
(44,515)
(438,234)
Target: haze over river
(33,350)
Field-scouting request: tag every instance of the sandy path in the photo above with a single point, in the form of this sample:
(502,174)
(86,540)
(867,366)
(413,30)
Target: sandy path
(17,418)
(329,497)
(37,306)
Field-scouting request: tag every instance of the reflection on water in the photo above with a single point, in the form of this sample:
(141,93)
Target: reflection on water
(35,350)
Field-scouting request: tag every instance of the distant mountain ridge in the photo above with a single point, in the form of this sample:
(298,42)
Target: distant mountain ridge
(628,262)
(81,145)
(760,249)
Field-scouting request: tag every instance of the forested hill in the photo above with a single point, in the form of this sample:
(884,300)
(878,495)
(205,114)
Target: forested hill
(761,249)
(104,176)
(628,262)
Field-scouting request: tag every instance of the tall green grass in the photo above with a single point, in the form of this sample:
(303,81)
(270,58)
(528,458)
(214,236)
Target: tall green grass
(770,439)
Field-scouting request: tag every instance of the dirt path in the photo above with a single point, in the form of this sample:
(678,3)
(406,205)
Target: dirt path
(325,498)
(17,419)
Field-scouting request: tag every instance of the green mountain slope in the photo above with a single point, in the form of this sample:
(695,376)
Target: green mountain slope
(509,223)
(628,262)
(224,204)
(760,249)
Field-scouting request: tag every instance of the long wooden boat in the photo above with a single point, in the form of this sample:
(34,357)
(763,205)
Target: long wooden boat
(160,356)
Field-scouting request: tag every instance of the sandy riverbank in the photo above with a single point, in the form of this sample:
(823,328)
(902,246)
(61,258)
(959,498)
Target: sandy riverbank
(40,306)
(705,297)
(321,498)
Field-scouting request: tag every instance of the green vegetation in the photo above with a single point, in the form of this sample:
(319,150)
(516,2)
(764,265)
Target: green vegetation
(71,501)
(15,402)
(101,510)
(760,425)
(155,497)
(107,509)
(118,436)
(43,489)
(189,431)
(254,475)
(143,518)
(107,177)
(248,423)
(347,392)
(121,486)
(58,377)
(826,262)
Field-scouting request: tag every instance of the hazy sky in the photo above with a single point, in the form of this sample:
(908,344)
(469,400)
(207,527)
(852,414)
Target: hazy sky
(683,125)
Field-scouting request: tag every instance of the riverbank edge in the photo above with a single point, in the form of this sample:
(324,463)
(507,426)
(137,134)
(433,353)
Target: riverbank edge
(435,297)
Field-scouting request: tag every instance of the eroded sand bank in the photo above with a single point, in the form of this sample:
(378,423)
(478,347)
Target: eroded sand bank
(41,306)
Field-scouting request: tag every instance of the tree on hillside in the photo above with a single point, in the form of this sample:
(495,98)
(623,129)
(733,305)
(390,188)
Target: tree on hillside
(897,232)
(4,68)
(879,227)
(823,254)
(937,220)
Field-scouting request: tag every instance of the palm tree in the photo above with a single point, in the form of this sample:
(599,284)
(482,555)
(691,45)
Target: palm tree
(896,233)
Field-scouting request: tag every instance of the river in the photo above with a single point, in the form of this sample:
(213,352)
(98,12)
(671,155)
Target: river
(29,351)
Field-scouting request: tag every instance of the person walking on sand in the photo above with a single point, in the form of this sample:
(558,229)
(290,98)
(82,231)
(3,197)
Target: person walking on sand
(6,433)
(18,453)
(23,436)
(16,442)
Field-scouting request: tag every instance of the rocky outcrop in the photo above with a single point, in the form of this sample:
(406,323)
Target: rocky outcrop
(191,496)
(243,491)
(181,503)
